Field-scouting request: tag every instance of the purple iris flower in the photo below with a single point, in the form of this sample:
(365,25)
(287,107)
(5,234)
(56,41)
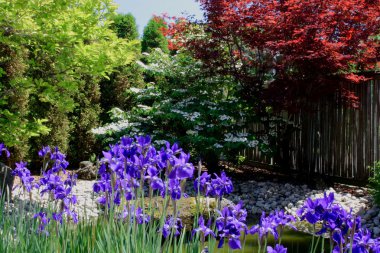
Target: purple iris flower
(203,228)
(333,217)
(362,243)
(266,226)
(283,219)
(126,142)
(58,217)
(59,161)
(315,210)
(157,184)
(44,151)
(4,149)
(135,161)
(277,249)
(172,150)
(72,215)
(175,189)
(230,226)
(143,142)
(61,191)
(222,185)
(182,168)
(141,217)
(203,184)
(171,225)
(43,222)
(239,212)
(71,180)
(217,186)
(231,231)
(24,174)
(137,215)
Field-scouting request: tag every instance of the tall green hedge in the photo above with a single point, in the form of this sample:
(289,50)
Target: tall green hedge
(53,55)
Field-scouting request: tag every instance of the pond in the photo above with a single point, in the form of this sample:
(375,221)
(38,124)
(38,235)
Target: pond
(294,241)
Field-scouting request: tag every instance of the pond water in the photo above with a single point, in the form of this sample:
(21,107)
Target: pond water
(295,242)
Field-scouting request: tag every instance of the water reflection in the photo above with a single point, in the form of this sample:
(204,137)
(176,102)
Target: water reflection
(295,242)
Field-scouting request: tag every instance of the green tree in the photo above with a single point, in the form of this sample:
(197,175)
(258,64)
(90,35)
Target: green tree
(52,49)
(125,26)
(153,36)
(114,90)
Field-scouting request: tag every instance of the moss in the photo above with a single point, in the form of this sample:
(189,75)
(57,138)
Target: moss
(187,208)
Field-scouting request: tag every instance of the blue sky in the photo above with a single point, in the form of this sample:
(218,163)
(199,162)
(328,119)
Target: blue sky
(144,9)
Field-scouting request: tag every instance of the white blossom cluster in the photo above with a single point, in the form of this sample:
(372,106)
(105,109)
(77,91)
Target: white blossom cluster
(240,137)
(147,92)
(141,64)
(224,117)
(191,132)
(144,107)
(232,138)
(114,127)
(181,90)
(189,116)
(253,143)
(186,102)
(159,142)
(136,90)
(203,103)
(233,100)
(217,145)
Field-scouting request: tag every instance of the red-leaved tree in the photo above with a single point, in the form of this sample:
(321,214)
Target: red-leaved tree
(286,52)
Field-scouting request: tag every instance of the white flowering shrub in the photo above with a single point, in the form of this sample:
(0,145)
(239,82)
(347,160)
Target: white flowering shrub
(185,106)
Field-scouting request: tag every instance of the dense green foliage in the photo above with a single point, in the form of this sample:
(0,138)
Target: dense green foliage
(53,56)
(114,90)
(153,36)
(125,26)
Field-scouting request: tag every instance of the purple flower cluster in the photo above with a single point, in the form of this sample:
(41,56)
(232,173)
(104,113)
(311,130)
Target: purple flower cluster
(204,229)
(135,215)
(343,228)
(230,224)
(43,222)
(172,225)
(361,243)
(56,157)
(25,176)
(132,162)
(213,187)
(52,183)
(3,149)
(277,249)
(272,224)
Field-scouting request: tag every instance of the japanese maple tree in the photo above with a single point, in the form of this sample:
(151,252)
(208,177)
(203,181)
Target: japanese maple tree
(286,52)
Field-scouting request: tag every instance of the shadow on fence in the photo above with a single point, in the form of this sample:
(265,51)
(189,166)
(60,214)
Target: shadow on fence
(334,140)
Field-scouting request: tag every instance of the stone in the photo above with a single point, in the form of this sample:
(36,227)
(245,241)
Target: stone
(6,181)
(372,212)
(376,230)
(186,207)
(376,221)
(87,171)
